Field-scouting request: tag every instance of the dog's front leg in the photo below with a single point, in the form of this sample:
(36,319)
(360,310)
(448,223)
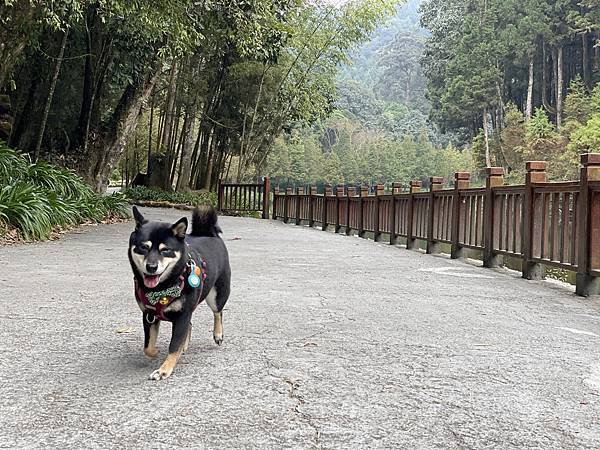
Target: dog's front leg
(181,328)
(150,335)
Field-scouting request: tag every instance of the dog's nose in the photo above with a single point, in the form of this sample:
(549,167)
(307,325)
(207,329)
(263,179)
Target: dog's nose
(151,267)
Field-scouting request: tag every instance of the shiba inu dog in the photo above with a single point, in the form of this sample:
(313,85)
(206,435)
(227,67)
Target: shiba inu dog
(173,273)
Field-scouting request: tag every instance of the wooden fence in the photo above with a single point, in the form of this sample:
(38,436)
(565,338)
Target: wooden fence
(244,197)
(542,223)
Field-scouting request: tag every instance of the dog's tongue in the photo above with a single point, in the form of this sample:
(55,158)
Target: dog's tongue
(151,281)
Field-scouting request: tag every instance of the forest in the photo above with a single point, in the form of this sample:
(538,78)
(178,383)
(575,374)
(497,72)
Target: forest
(458,84)
(183,92)
(173,95)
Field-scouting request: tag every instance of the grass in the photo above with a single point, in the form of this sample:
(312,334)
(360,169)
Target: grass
(38,199)
(141,193)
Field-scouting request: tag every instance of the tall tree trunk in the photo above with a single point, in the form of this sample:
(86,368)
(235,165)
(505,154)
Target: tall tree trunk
(529,108)
(585,59)
(89,82)
(242,141)
(161,126)
(97,63)
(183,181)
(59,59)
(559,87)
(108,148)
(175,143)
(488,159)
(176,154)
(150,134)
(194,159)
(170,112)
(545,102)
(209,162)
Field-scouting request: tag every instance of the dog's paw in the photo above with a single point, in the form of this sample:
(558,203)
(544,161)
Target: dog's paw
(218,338)
(160,374)
(151,352)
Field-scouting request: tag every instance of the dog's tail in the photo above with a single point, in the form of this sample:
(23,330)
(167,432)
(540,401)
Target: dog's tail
(204,221)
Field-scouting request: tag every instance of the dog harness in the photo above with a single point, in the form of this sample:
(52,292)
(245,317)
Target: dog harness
(154,303)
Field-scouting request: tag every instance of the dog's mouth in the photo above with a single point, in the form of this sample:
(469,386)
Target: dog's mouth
(151,281)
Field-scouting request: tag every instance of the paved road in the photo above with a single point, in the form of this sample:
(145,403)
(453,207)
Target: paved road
(330,342)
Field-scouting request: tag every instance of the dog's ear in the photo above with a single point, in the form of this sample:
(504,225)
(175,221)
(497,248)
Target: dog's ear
(139,219)
(179,228)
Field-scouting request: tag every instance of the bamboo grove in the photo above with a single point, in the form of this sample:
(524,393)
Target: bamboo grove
(182,91)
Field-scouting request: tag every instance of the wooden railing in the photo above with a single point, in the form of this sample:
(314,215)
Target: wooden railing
(244,197)
(542,223)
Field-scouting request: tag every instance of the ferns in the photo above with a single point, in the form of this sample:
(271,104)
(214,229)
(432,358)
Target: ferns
(37,198)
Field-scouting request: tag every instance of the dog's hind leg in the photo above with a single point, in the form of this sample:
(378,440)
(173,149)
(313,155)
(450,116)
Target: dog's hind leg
(212,299)
(180,332)
(218,327)
(150,335)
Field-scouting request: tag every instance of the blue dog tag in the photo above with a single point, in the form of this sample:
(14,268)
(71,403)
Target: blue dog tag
(193,279)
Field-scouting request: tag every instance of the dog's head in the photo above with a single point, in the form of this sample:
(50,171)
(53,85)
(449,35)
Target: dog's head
(157,251)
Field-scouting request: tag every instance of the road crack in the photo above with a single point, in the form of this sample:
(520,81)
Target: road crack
(294,386)
(293,393)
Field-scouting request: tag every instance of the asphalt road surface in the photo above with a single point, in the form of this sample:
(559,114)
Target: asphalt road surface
(330,342)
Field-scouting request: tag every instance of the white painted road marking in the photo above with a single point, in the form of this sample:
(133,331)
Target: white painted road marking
(453,272)
(575,331)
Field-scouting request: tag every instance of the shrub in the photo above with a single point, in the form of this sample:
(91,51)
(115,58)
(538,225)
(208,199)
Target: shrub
(158,195)
(38,198)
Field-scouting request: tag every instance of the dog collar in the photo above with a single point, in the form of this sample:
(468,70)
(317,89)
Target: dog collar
(172,292)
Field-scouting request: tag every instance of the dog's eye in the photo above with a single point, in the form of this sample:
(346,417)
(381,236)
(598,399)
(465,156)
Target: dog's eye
(143,247)
(166,252)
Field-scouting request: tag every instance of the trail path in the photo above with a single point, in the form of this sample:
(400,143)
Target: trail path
(330,342)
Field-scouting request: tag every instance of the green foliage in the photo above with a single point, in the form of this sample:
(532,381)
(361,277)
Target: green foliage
(157,195)
(343,151)
(577,104)
(586,139)
(38,198)
(539,127)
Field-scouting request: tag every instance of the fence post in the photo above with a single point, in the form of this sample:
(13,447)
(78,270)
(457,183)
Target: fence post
(286,204)
(396,187)
(364,192)
(494,176)
(219,195)
(350,192)
(411,242)
(311,205)
(275,194)
(461,181)
(266,197)
(435,184)
(536,173)
(299,199)
(339,192)
(327,193)
(588,224)
(379,191)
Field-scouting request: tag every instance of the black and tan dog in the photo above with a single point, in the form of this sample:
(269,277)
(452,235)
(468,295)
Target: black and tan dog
(173,273)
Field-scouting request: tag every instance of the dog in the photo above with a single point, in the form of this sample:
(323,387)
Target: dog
(173,273)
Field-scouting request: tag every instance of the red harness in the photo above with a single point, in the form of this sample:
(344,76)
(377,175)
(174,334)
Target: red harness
(154,304)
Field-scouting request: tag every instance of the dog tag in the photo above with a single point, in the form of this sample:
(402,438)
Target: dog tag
(193,279)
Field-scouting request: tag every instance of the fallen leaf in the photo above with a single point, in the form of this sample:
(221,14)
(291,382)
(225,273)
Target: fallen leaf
(125,330)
